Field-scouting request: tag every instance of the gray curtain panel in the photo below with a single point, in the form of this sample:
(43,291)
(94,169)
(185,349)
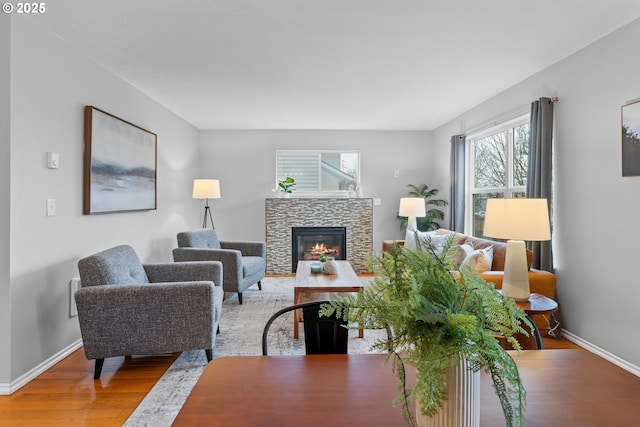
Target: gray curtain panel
(540,171)
(457,183)
(539,185)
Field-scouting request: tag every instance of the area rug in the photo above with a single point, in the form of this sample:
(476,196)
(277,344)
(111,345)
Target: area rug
(241,329)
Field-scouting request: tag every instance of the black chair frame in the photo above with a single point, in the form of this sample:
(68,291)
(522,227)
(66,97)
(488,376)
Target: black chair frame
(322,335)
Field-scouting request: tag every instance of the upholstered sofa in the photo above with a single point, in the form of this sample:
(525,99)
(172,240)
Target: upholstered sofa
(541,282)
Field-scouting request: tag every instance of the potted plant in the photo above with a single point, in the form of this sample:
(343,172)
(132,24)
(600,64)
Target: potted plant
(286,185)
(437,317)
(430,221)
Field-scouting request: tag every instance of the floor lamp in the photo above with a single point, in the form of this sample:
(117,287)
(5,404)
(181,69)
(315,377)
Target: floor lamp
(517,220)
(206,189)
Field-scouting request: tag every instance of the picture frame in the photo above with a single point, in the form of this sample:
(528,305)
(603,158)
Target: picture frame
(120,164)
(631,139)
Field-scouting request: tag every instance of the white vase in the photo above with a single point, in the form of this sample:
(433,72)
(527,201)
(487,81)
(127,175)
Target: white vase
(330,267)
(462,406)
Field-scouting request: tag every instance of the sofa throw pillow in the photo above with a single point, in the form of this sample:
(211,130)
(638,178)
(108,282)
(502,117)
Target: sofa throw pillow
(464,250)
(431,241)
(479,260)
(426,240)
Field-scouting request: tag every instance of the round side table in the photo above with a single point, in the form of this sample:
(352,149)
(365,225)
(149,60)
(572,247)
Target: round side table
(537,304)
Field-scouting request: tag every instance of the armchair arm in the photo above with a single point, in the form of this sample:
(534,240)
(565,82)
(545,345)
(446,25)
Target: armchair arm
(231,260)
(248,248)
(185,272)
(147,318)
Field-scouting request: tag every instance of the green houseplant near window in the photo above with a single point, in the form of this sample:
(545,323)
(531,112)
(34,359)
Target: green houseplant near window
(286,185)
(437,317)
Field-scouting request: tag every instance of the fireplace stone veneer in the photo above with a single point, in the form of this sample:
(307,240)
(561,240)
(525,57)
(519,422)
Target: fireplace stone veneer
(356,214)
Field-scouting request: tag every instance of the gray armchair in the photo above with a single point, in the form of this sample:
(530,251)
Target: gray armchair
(126,307)
(243,263)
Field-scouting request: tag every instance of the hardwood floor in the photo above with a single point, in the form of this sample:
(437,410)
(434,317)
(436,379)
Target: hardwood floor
(67,395)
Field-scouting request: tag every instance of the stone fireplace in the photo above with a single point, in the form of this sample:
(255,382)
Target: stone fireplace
(354,215)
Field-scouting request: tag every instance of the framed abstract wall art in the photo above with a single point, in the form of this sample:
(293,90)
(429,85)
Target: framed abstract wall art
(631,139)
(120,162)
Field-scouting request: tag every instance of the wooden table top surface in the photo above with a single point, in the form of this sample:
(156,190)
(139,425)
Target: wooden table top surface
(345,277)
(568,388)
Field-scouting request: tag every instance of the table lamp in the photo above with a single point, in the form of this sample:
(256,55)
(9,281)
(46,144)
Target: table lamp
(206,189)
(412,207)
(517,220)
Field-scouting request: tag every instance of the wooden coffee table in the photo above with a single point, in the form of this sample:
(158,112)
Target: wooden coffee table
(308,283)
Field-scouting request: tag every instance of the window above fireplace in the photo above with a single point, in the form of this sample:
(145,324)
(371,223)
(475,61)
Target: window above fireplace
(320,173)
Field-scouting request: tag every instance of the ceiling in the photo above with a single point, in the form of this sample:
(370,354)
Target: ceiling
(329,64)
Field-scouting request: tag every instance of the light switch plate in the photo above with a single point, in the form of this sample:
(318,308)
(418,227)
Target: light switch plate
(53,160)
(51,207)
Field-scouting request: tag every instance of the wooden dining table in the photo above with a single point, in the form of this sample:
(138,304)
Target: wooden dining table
(568,388)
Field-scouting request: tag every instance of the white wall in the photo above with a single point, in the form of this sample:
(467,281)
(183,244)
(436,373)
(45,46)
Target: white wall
(5,175)
(50,85)
(596,221)
(244,161)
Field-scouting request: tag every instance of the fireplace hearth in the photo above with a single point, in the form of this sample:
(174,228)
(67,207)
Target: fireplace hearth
(308,243)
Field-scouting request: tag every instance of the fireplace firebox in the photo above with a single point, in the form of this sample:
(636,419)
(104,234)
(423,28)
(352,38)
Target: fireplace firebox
(308,243)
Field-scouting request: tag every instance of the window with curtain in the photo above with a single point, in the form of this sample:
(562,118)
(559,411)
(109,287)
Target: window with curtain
(498,159)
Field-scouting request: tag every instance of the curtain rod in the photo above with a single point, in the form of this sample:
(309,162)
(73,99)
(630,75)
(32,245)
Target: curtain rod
(502,118)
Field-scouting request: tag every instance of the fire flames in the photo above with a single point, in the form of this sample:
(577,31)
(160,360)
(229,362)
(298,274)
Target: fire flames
(317,249)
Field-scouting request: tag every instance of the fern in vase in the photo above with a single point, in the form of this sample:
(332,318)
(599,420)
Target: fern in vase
(435,317)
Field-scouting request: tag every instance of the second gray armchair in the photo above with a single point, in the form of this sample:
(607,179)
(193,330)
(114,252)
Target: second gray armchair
(243,262)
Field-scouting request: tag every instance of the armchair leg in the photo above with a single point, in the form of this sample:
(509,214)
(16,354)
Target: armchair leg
(259,285)
(98,369)
(239,297)
(209,353)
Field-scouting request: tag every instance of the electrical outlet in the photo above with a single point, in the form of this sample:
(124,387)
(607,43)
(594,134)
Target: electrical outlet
(396,173)
(74,285)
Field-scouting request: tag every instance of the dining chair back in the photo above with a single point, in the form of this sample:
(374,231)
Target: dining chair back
(322,335)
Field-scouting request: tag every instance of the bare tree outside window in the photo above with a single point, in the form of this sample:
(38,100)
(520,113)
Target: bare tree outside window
(499,168)
(490,161)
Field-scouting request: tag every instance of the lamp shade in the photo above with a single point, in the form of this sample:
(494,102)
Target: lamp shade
(206,189)
(517,219)
(412,207)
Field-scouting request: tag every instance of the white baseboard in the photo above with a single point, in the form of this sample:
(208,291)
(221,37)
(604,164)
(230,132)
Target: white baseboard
(602,353)
(41,368)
